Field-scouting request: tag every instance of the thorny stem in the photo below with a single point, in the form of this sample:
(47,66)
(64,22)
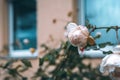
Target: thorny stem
(60,66)
(112,27)
(117,37)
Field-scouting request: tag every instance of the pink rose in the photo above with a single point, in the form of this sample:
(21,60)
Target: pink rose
(77,35)
(111,64)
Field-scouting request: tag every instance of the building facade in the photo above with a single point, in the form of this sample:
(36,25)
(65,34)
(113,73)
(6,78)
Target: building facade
(51,19)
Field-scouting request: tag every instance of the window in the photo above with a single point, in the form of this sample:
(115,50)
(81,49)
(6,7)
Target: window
(102,13)
(22,28)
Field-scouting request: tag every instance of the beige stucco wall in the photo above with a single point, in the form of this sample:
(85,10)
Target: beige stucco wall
(3,23)
(52,17)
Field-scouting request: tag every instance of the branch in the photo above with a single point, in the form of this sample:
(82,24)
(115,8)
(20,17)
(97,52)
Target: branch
(111,27)
(107,29)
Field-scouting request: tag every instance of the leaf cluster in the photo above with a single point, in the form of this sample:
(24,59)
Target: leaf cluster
(64,70)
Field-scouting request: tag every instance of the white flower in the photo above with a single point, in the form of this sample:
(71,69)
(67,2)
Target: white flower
(110,63)
(26,41)
(77,35)
(98,34)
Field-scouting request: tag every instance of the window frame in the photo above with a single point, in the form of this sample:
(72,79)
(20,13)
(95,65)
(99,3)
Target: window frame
(91,53)
(16,53)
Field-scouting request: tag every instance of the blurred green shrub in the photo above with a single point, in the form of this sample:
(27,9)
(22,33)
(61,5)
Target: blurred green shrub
(64,59)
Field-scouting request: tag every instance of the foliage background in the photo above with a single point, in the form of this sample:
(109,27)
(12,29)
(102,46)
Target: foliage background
(64,60)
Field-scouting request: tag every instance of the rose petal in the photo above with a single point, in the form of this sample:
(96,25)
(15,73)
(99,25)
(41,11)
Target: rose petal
(110,62)
(71,26)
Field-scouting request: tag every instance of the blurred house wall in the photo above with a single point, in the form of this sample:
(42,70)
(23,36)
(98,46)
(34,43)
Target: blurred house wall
(52,17)
(3,23)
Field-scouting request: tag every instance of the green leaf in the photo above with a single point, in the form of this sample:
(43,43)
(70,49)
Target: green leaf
(24,78)
(50,58)
(41,61)
(23,69)
(8,64)
(26,63)
(97,37)
(107,52)
(108,29)
(13,72)
(102,45)
(45,46)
